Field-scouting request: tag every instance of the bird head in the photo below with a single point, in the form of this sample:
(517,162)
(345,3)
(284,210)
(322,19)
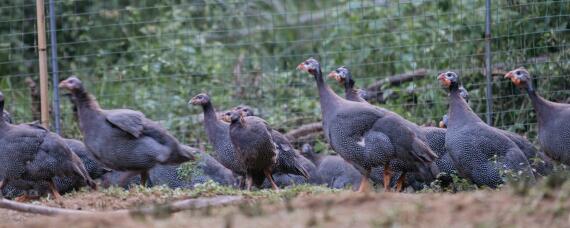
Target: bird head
(520,77)
(448,79)
(247,111)
(71,84)
(200,99)
(232,116)
(307,150)
(341,74)
(310,66)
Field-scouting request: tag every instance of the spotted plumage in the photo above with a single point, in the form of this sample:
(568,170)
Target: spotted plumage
(218,135)
(369,136)
(482,158)
(123,139)
(553,118)
(434,137)
(34,154)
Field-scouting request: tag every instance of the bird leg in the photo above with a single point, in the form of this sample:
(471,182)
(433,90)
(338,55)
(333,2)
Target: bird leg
(144,178)
(387,177)
(248,181)
(400,183)
(26,198)
(268,175)
(53,190)
(364,183)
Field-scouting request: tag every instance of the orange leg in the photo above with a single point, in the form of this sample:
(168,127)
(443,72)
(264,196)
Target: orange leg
(387,177)
(400,183)
(364,183)
(26,198)
(53,190)
(270,178)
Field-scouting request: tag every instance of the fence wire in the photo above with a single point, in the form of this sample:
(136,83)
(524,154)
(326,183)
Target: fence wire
(154,55)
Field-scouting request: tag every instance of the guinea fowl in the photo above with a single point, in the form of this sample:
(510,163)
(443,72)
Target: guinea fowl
(540,163)
(289,161)
(36,155)
(255,149)
(481,158)
(369,136)
(218,135)
(123,139)
(553,118)
(435,138)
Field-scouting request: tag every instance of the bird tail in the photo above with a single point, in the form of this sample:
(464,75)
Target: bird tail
(80,170)
(422,152)
(301,170)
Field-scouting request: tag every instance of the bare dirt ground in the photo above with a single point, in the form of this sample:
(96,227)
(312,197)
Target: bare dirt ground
(482,208)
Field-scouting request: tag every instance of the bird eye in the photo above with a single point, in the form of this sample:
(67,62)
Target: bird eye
(518,73)
(448,74)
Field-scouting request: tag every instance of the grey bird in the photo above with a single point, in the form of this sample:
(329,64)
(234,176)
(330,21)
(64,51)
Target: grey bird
(479,151)
(541,164)
(553,118)
(123,139)
(34,154)
(219,136)
(368,136)
(434,137)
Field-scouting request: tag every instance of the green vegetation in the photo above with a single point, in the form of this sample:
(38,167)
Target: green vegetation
(154,55)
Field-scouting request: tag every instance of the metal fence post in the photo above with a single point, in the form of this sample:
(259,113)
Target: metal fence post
(54,68)
(488,69)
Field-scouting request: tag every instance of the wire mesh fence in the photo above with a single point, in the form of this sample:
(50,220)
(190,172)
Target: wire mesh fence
(154,55)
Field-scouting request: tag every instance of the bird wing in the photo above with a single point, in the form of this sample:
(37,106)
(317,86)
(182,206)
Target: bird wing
(404,138)
(288,161)
(127,120)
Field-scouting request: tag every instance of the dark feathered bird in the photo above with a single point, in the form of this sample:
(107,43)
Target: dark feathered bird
(434,137)
(553,118)
(255,149)
(207,168)
(540,163)
(123,139)
(35,154)
(368,136)
(479,151)
(218,135)
(289,161)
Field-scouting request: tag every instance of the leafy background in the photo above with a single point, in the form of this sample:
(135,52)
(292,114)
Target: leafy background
(154,55)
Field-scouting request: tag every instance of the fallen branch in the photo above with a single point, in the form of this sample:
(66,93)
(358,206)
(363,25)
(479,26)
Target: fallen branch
(170,208)
(37,209)
(397,79)
(304,129)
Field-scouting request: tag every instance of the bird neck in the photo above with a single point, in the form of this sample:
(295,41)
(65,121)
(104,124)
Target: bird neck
(2,120)
(542,106)
(327,97)
(83,100)
(349,91)
(459,110)
(209,112)
(211,121)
